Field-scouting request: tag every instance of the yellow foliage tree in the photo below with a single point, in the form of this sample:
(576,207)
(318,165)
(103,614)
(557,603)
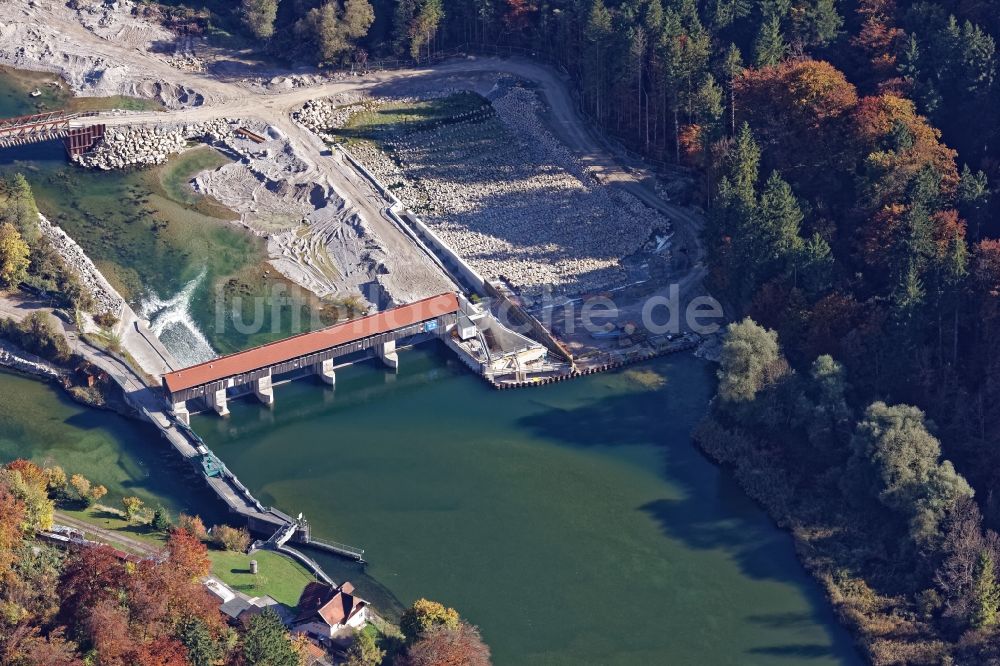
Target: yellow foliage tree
(13,256)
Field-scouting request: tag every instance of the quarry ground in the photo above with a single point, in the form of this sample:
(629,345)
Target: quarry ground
(327,227)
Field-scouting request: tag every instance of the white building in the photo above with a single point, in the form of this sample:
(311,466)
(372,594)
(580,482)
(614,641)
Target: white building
(329,613)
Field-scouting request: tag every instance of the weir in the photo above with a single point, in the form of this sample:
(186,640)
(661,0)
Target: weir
(254,369)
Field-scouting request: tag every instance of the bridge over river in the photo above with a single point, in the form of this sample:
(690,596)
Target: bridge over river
(78,135)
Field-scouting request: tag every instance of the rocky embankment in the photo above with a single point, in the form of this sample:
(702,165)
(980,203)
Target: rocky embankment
(511,199)
(147,145)
(15,358)
(106,298)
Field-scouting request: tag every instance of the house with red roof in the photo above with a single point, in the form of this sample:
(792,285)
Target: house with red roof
(326,612)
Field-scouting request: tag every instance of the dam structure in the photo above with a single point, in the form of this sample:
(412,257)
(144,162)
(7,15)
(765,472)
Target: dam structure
(213,382)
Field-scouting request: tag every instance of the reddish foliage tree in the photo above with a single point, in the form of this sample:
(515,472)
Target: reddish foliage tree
(692,152)
(11,519)
(830,321)
(164,651)
(441,646)
(879,38)
(896,144)
(90,576)
(188,554)
(799,111)
(518,16)
(106,625)
(34,649)
(149,590)
(30,472)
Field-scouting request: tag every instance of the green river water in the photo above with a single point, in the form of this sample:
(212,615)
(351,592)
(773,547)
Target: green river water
(574,524)
(173,255)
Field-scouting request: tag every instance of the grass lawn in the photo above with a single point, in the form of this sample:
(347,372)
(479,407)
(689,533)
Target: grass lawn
(281,578)
(110,519)
(394,118)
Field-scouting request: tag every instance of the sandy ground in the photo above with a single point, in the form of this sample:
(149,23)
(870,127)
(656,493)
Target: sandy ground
(327,227)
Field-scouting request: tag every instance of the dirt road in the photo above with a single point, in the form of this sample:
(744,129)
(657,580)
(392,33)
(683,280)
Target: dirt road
(113,538)
(209,97)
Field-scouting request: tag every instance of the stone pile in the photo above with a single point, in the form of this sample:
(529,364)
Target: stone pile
(146,145)
(323,115)
(512,200)
(106,299)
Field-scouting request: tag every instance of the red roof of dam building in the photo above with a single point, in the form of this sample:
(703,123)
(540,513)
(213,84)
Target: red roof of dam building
(310,343)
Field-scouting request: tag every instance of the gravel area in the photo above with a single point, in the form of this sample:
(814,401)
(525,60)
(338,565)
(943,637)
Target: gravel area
(511,199)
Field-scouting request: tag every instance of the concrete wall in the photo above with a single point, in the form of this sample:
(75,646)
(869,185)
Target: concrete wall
(417,228)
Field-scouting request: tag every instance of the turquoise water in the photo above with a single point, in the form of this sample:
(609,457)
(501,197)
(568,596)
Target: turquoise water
(129,458)
(156,243)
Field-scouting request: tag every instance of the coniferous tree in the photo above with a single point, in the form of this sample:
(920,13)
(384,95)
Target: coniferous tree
(769,46)
(986,592)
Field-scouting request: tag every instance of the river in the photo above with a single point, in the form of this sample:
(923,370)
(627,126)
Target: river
(175,256)
(574,524)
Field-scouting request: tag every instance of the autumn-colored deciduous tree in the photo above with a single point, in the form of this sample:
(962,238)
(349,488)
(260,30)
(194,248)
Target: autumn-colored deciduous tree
(11,522)
(194,525)
(89,575)
(879,36)
(29,471)
(14,253)
(132,507)
(230,538)
(28,483)
(81,485)
(186,552)
(799,111)
(449,646)
(34,649)
(896,144)
(425,614)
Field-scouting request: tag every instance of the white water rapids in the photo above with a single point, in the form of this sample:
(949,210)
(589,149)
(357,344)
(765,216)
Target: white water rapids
(171,322)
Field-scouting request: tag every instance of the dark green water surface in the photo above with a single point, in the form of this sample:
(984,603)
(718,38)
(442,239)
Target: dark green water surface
(575,523)
(129,458)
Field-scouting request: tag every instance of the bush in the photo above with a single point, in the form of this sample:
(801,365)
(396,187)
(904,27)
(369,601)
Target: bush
(193,525)
(39,334)
(105,320)
(230,538)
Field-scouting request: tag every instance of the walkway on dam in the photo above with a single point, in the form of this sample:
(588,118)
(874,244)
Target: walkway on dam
(148,402)
(315,350)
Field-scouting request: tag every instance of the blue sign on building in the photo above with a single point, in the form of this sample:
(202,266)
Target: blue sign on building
(430,326)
